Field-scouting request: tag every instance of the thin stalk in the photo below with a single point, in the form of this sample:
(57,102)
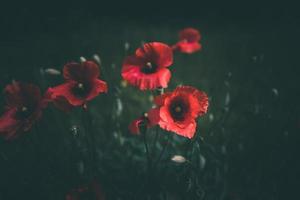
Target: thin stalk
(155,138)
(90,139)
(163,151)
(147,150)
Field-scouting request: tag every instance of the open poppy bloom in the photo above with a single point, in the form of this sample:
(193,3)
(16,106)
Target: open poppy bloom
(177,111)
(147,69)
(24,107)
(136,125)
(188,41)
(92,191)
(82,85)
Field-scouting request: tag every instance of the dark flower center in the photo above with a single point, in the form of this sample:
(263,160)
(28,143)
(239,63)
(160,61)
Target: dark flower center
(81,90)
(24,112)
(178,109)
(149,68)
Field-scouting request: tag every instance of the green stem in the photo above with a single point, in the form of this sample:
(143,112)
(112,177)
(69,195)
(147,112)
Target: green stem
(147,151)
(163,151)
(90,139)
(155,138)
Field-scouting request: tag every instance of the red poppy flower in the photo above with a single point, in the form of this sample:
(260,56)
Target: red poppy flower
(189,41)
(24,107)
(92,191)
(82,85)
(147,69)
(135,125)
(176,111)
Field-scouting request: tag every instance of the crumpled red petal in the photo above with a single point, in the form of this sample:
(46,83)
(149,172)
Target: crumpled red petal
(134,126)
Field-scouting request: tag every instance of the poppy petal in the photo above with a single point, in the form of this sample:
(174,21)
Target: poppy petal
(160,53)
(159,100)
(9,126)
(98,86)
(186,131)
(85,71)
(153,116)
(134,126)
(18,94)
(201,97)
(147,81)
(186,47)
(63,104)
(132,62)
(190,35)
(65,91)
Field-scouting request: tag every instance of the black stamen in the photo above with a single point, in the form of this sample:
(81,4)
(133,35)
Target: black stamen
(149,68)
(81,90)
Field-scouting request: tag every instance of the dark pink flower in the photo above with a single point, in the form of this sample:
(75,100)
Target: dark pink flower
(24,108)
(189,41)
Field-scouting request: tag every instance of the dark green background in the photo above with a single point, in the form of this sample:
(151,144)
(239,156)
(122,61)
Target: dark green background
(251,146)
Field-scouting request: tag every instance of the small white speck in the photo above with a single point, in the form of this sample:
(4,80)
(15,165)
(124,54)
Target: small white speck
(97,59)
(82,59)
(202,161)
(119,107)
(74,130)
(178,159)
(211,117)
(275,91)
(126,46)
(115,134)
(223,149)
(52,71)
(227,99)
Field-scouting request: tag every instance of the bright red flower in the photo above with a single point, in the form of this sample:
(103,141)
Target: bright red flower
(92,191)
(188,41)
(177,111)
(147,69)
(24,107)
(135,125)
(82,85)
